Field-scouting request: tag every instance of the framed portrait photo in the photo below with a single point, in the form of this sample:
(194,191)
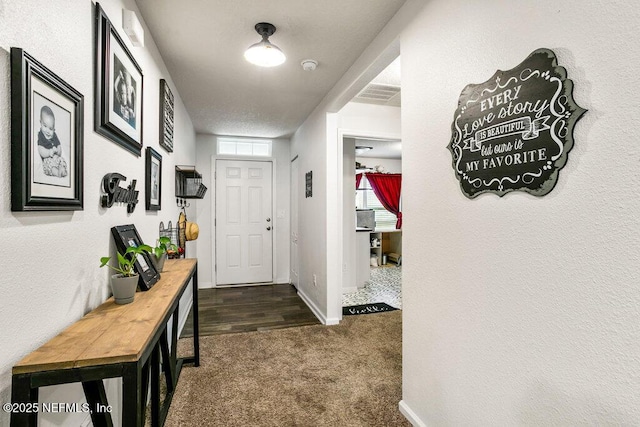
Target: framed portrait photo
(153,179)
(127,235)
(46,138)
(166,116)
(119,89)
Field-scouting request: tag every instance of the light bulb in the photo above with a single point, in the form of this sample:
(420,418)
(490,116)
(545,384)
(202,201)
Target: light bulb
(264,54)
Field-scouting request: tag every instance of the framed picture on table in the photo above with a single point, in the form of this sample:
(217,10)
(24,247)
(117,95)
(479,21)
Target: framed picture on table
(46,138)
(119,88)
(127,235)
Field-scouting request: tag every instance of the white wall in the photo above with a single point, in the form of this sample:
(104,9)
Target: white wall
(522,310)
(390,165)
(358,119)
(308,143)
(205,163)
(50,266)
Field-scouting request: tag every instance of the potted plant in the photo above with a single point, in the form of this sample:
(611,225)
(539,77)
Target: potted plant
(159,253)
(124,283)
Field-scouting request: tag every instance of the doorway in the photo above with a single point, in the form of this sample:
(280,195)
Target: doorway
(243,223)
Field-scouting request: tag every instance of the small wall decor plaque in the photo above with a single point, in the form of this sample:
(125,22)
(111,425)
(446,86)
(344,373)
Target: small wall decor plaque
(514,131)
(116,194)
(308,184)
(166,116)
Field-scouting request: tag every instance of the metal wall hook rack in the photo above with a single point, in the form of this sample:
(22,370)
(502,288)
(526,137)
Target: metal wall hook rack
(182,203)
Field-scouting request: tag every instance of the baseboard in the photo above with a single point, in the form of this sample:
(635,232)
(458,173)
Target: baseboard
(410,415)
(205,285)
(316,311)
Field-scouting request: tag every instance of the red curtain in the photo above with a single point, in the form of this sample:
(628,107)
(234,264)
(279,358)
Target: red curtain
(358,179)
(387,187)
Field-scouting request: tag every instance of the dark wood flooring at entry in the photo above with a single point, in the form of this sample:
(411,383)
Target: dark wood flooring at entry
(250,308)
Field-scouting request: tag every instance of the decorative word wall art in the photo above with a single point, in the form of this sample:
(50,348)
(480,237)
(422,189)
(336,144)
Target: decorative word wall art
(116,194)
(514,131)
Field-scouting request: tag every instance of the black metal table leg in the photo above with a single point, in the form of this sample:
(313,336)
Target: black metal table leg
(24,400)
(155,386)
(97,400)
(196,322)
(132,403)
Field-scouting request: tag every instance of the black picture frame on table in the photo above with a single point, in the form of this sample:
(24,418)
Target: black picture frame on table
(153,180)
(47,137)
(166,116)
(118,88)
(127,235)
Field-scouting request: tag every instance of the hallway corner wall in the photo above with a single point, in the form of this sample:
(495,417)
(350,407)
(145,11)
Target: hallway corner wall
(522,310)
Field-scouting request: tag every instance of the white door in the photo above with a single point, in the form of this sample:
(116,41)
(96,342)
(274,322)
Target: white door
(295,190)
(244,227)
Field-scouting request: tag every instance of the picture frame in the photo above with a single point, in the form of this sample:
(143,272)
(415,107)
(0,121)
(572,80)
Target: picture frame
(166,116)
(118,88)
(127,235)
(308,184)
(153,180)
(47,138)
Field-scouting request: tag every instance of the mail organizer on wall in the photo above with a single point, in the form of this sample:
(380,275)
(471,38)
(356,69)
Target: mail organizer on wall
(189,183)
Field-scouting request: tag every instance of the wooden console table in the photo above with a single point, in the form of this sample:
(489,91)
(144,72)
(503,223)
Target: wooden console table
(128,341)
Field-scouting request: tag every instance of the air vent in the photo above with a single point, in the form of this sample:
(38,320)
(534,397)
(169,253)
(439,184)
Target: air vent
(378,94)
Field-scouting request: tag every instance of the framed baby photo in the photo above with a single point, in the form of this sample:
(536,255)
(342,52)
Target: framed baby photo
(127,235)
(118,80)
(153,179)
(46,138)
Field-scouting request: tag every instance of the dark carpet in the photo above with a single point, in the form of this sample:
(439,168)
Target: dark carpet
(344,375)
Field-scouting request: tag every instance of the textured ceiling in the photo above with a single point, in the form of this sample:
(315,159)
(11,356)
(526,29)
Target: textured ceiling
(380,148)
(202,43)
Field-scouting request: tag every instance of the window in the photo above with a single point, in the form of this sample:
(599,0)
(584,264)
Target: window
(367,199)
(244,147)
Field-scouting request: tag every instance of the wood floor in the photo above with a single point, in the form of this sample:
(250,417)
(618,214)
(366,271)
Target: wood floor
(250,308)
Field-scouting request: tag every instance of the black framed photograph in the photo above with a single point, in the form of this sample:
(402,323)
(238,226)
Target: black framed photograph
(119,89)
(153,179)
(126,236)
(166,116)
(46,138)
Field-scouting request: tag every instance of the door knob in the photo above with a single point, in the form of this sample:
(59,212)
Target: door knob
(268,228)
(268,219)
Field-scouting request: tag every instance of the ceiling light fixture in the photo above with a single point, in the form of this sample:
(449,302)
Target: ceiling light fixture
(265,54)
(360,149)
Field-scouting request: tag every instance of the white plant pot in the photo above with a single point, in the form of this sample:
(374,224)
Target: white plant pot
(124,288)
(159,262)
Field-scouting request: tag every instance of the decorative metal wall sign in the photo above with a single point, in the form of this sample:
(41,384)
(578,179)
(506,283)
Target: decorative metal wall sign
(117,194)
(308,184)
(166,116)
(514,131)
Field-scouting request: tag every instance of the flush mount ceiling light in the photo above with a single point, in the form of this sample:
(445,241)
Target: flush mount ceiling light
(360,149)
(265,54)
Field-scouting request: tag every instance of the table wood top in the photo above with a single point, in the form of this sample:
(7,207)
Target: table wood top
(112,333)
